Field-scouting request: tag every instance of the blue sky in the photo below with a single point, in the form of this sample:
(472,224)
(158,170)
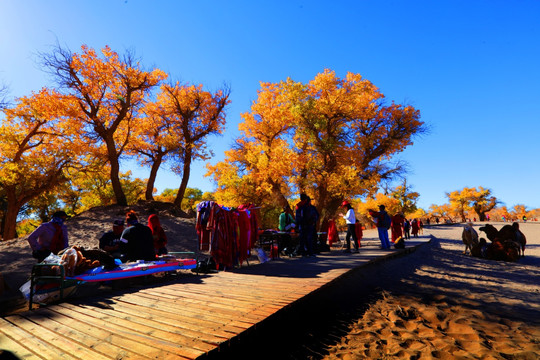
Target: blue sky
(471,67)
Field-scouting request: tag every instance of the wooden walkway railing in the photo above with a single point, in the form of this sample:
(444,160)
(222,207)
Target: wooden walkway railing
(182,319)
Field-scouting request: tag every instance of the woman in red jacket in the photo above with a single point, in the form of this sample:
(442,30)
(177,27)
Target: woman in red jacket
(160,239)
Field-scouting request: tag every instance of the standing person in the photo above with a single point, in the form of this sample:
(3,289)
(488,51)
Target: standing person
(286,225)
(306,218)
(383,221)
(49,237)
(139,239)
(333,235)
(421,227)
(350,220)
(407,229)
(414,228)
(359,232)
(286,220)
(111,243)
(397,225)
(158,234)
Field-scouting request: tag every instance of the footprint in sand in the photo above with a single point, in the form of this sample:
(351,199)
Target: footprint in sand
(460,328)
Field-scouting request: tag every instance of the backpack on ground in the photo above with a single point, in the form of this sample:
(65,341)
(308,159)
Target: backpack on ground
(399,243)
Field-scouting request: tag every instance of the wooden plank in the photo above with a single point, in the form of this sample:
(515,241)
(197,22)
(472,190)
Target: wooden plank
(239,300)
(168,318)
(257,293)
(45,349)
(138,317)
(147,344)
(220,293)
(74,329)
(15,347)
(256,310)
(95,337)
(160,333)
(209,304)
(233,325)
(116,336)
(76,349)
(293,289)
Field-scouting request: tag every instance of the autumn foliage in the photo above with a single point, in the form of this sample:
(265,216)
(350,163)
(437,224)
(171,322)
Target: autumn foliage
(33,158)
(65,139)
(331,138)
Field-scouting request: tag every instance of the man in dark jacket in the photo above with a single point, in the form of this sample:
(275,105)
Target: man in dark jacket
(306,219)
(111,243)
(138,238)
(381,218)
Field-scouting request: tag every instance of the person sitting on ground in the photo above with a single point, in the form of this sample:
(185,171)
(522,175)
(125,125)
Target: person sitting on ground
(49,237)
(158,234)
(111,243)
(138,238)
(286,220)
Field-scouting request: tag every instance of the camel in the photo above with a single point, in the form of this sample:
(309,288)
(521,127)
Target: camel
(520,238)
(497,250)
(507,232)
(469,237)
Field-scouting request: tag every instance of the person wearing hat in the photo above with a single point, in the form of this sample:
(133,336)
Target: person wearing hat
(49,237)
(350,219)
(110,241)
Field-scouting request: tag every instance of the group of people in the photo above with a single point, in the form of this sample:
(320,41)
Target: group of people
(304,221)
(403,228)
(129,240)
(307,217)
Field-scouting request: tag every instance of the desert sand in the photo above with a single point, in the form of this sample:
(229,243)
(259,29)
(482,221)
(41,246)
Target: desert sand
(445,305)
(453,306)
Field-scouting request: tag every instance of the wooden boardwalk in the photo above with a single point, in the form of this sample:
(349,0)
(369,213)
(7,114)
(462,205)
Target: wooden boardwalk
(187,318)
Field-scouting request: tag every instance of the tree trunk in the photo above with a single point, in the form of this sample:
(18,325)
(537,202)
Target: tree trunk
(463,218)
(10,224)
(116,185)
(115,171)
(185,179)
(149,195)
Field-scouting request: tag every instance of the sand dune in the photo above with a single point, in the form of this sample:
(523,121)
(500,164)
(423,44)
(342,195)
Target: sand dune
(454,306)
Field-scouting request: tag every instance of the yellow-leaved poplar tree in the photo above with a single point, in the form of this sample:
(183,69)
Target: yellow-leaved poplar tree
(106,93)
(33,155)
(191,115)
(331,138)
